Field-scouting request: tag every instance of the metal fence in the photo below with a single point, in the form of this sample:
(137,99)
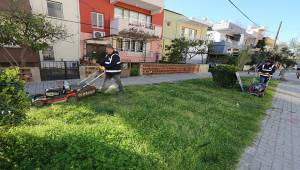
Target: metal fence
(59,70)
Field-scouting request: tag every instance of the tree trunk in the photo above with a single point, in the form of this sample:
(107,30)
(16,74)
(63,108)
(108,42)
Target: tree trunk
(23,57)
(11,57)
(7,59)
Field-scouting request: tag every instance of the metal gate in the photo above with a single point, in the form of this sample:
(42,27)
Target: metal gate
(59,70)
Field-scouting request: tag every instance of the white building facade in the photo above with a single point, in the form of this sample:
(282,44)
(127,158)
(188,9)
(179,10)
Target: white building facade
(228,37)
(65,13)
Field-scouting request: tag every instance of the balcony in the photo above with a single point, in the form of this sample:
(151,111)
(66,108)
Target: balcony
(121,24)
(155,6)
(228,28)
(224,47)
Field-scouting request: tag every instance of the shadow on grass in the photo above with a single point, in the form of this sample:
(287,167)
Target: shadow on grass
(67,151)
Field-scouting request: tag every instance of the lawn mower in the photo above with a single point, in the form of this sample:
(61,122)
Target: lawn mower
(68,93)
(258,88)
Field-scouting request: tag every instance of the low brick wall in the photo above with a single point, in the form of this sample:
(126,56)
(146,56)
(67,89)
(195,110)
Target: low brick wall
(149,68)
(204,68)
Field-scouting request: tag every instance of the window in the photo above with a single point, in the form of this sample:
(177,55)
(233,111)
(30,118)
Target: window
(119,44)
(139,46)
(48,54)
(192,33)
(142,19)
(186,32)
(149,19)
(134,17)
(97,20)
(125,14)
(55,9)
(118,13)
(126,46)
(132,46)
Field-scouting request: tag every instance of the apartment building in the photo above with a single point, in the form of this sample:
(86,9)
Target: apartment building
(117,22)
(177,25)
(253,35)
(228,37)
(65,13)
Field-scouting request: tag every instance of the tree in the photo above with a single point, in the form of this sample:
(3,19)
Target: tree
(23,29)
(261,44)
(182,50)
(295,48)
(14,101)
(244,58)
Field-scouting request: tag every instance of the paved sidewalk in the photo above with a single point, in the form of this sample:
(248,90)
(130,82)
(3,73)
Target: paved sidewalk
(37,88)
(277,147)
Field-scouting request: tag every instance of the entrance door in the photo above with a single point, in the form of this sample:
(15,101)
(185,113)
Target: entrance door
(95,51)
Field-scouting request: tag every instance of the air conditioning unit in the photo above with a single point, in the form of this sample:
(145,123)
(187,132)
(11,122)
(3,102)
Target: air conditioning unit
(98,34)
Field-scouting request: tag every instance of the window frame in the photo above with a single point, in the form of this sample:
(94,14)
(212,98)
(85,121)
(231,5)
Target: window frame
(139,46)
(62,9)
(119,42)
(133,20)
(122,12)
(126,11)
(133,45)
(97,14)
(126,40)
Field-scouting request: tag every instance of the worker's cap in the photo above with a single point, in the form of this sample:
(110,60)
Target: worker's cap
(109,46)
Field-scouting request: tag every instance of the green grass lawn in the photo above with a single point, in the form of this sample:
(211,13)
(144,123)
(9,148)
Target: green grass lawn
(185,125)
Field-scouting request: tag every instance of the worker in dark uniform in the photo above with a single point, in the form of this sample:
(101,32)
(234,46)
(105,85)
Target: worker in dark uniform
(266,71)
(112,65)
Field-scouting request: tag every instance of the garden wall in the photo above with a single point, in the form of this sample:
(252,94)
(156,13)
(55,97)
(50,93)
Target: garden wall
(153,68)
(29,74)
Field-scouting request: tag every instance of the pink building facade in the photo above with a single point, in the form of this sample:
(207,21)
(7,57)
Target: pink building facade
(106,21)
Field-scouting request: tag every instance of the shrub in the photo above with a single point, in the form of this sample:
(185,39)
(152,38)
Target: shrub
(231,59)
(14,102)
(244,57)
(135,70)
(224,75)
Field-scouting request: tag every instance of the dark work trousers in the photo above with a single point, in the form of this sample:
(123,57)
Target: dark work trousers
(264,79)
(116,77)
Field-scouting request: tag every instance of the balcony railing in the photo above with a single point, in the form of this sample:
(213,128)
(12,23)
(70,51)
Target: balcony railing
(155,6)
(120,24)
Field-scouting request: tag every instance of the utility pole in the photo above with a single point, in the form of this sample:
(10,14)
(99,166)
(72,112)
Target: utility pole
(277,34)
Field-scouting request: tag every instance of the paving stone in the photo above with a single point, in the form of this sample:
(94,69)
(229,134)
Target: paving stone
(277,146)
